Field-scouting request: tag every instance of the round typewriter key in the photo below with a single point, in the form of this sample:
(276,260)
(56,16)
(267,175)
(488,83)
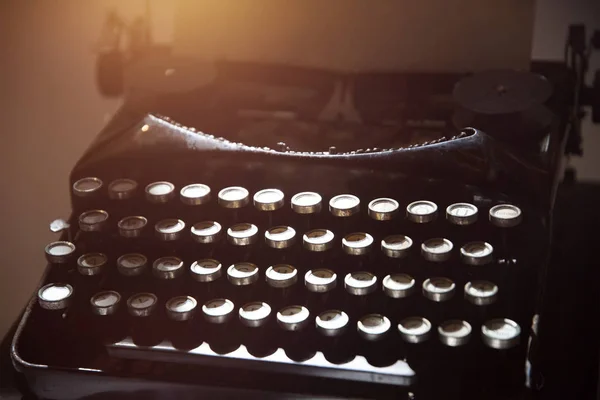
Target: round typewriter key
(167,267)
(421,211)
(207,270)
(293,318)
(91,263)
(242,274)
(344,205)
(243,234)
(373,327)
(306,203)
(415,329)
(87,187)
(281,276)
(59,252)
(93,220)
(160,192)
(122,189)
(481,293)
(398,285)
(218,311)
(195,194)
(234,197)
(501,333)
(280,237)
(477,253)
(141,304)
(131,227)
(105,303)
(320,280)
(438,289)
(206,232)
(55,296)
(268,199)
(505,215)
(396,246)
(181,308)
(254,314)
(318,240)
(360,283)
(132,264)
(358,243)
(461,214)
(437,249)
(332,322)
(383,209)
(169,229)
(454,332)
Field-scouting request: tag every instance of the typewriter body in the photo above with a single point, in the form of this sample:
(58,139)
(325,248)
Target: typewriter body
(322,244)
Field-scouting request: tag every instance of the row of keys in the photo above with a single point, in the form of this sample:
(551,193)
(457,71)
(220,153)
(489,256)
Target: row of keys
(322,280)
(500,333)
(317,240)
(343,205)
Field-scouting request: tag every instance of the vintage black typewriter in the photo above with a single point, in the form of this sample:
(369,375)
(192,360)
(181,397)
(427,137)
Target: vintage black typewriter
(350,239)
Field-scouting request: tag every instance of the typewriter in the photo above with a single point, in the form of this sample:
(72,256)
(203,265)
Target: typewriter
(332,245)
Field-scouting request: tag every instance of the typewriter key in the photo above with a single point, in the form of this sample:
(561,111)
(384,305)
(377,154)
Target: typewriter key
(218,311)
(281,276)
(501,333)
(122,189)
(141,304)
(318,240)
(132,264)
(234,197)
(181,308)
(160,192)
(373,327)
(505,215)
(242,274)
(207,270)
(132,227)
(320,280)
(383,209)
(59,252)
(87,187)
(396,246)
(206,232)
(358,243)
(280,237)
(268,199)
(398,285)
(306,203)
(219,333)
(454,332)
(243,234)
(461,214)
(293,318)
(169,229)
(332,322)
(255,314)
(421,211)
(438,289)
(415,329)
(93,220)
(477,253)
(360,283)
(297,340)
(195,194)
(55,296)
(105,303)
(437,249)
(167,267)
(344,205)
(91,263)
(481,293)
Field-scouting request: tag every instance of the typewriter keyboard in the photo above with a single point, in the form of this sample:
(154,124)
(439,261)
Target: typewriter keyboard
(301,278)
